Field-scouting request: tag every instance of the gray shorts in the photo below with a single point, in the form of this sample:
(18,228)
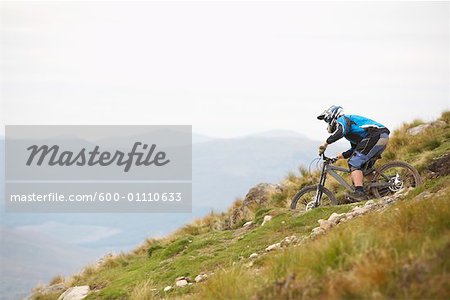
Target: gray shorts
(366,149)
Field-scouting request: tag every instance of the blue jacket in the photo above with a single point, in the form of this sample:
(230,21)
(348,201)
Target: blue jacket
(355,128)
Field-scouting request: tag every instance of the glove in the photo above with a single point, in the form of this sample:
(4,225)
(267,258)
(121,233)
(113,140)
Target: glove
(322,148)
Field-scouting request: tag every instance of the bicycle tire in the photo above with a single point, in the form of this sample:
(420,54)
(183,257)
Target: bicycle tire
(310,188)
(395,164)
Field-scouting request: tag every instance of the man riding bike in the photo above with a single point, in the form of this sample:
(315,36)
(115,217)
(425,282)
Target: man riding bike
(367,139)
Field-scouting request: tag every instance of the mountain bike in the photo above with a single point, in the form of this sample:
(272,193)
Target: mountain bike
(383,181)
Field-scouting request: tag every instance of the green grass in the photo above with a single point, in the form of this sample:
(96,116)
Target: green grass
(190,256)
(375,256)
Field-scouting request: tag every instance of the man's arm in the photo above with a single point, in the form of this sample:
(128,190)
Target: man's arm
(338,134)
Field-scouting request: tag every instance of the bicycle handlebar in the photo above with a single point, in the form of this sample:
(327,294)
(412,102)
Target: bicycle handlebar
(328,159)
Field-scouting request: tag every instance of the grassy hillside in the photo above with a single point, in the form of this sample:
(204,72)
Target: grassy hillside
(398,252)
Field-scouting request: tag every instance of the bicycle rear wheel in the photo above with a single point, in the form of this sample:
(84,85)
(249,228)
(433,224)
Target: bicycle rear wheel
(394,177)
(308,194)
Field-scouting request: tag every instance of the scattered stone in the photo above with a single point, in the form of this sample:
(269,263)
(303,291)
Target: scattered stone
(325,224)
(317,231)
(181,282)
(247,224)
(201,277)
(288,241)
(335,218)
(388,200)
(253,255)
(266,219)
(357,211)
(75,293)
(273,247)
(168,288)
(369,203)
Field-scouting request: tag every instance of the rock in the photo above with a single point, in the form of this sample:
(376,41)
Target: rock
(257,196)
(288,241)
(253,255)
(167,288)
(369,203)
(325,224)
(181,282)
(260,194)
(266,219)
(273,247)
(247,224)
(335,218)
(317,231)
(388,200)
(200,277)
(418,129)
(349,217)
(75,293)
(440,166)
(188,279)
(360,210)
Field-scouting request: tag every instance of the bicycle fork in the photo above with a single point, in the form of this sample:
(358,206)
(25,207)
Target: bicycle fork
(319,192)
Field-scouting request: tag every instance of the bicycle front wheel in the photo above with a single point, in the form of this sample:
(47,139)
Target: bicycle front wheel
(394,177)
(308,194)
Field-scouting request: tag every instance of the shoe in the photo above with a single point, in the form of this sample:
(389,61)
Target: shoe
(357,196)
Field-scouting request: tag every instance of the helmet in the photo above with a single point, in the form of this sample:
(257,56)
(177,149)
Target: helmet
(330,116)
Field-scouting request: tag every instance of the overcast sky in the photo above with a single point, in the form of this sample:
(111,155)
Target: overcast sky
(226,68)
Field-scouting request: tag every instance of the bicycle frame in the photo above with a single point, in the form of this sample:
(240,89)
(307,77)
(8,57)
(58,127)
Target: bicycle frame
(328,168)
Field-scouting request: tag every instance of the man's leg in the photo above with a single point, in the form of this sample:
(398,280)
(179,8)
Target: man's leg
(370,148)
(357,178)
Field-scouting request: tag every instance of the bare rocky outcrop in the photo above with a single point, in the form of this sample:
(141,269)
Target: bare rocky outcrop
(422,127)
(75,293)
(440,166)
(257,196)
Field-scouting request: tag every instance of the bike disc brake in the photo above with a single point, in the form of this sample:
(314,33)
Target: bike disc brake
(311,205)
(396,183)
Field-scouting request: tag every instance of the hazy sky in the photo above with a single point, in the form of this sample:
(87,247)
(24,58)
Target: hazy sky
(226,68)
